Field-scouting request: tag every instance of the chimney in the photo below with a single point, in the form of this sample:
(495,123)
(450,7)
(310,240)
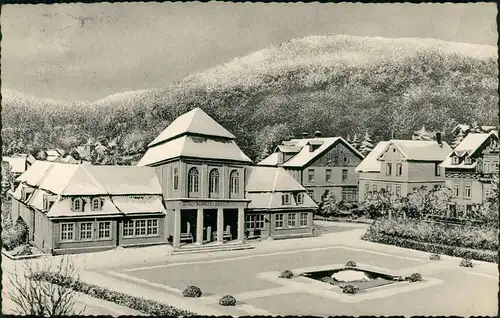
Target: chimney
(304,135)
(317,134)
(439,140)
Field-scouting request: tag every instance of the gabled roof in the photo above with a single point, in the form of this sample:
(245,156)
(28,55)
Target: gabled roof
(420,150)
(370,163)
(273,201)
(305,156)
(196,122)
(35,173)
(468,146)
(126,179)
(53,153)
(17,164)
(196,147)
(264,179)
(271,160)
(288,149)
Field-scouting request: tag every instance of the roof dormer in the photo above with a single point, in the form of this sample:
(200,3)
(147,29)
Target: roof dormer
(314,144)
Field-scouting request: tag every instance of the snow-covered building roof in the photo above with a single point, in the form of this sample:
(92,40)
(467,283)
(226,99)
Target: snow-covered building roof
(266,185)
(370,163)
(195,122)
(467,147)
(465,128)
(195,135)
(305,155)
(420,150)
(17,164)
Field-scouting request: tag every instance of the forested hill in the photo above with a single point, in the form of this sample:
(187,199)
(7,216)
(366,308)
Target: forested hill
(339,85)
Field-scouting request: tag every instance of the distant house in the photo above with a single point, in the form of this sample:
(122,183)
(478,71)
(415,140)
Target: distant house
(53,154)
(322,165)
(74,208)
(464,129)
(403,166)
(19,163)
(468,171)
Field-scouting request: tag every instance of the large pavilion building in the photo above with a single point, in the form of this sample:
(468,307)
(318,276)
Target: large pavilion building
(193,185)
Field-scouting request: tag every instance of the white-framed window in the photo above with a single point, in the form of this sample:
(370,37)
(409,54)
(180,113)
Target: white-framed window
(437,169)
(367,189)
(104,230)
(234,182)
(152,227)
(213,186)
(398,191)
(344,175)
(86,230)
(349,194)
(455,160)
(468,160)
(67,232)
(193,180)
(310,174)
(96,204)
(128,228)
(255,221)
(467,191)
(78,204)
(176,178)
(140,228)
(285,199)
(389,188)
(399,169)
(310,193)
(292,219)
(300,198)
(388,170)
(303,219)
(279,220)
(328,175)
(456,190)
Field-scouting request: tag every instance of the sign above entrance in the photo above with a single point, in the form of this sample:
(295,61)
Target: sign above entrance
(215,204)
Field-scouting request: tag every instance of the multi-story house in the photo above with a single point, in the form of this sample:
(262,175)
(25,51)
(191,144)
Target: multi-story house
(468,171)
(322,165)
(403,166)
(193,185)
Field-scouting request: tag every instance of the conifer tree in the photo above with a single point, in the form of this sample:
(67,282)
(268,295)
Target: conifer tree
(458,139)
(355,141)
(366,145)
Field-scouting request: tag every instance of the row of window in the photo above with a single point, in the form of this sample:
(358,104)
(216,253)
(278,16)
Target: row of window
(214,181)
(330,158)
(465,193)
(95,204)
(291,220)
(86,231)
(399,169)
(286,198)
(328,175)
(388,188)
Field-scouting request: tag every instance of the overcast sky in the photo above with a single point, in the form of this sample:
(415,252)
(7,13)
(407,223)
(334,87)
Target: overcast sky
(89,51)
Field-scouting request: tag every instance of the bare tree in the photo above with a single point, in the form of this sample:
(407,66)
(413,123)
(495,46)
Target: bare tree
(34,296)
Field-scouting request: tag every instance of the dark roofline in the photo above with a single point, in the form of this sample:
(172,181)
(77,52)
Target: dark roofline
(190,134)
(197,158)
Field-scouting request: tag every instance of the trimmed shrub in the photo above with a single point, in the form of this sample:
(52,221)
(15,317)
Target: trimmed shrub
(351,264)
(227,300)
(349,289)
(192,292)
(286,274)
(149,307)
(466,263)
(14,236)
(415,277)
(435,257)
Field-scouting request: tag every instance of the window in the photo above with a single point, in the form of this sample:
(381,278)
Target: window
(467,191)
(310,175)
(176,179)
(389,188)
(437,187)
(279,220)
(398,191)
(346,160)
(303,219)
(255,221)
(152,228)
(104,230)
(468,160)
(78,204)
(234,184)
(344,175)
(292,219)
(328,175)
(140,227)
(67,232)
(456,190)
(399,169)
(96,204)
(300,198)
(437,169)
(86,231)
(349,194)
(329,158)
(285,199)
(310,193)
(367,189)
(455,160)
(388,170)
(128,228)
(213,186)
(193,180)
(486,168)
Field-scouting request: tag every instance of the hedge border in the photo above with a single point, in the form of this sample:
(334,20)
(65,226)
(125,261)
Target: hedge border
(479,255)
(147,306)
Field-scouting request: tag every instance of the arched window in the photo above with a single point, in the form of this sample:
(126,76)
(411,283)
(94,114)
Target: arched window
(176,179)
(96,204)
(78,204)
(285,199)
(300,198)
(213,186)
(234,183)
(193,180)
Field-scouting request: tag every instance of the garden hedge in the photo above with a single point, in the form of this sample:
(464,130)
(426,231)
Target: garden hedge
(149,307)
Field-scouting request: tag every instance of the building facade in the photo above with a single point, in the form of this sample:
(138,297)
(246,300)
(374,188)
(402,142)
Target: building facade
(469,169)
(321,165)
(402,166)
